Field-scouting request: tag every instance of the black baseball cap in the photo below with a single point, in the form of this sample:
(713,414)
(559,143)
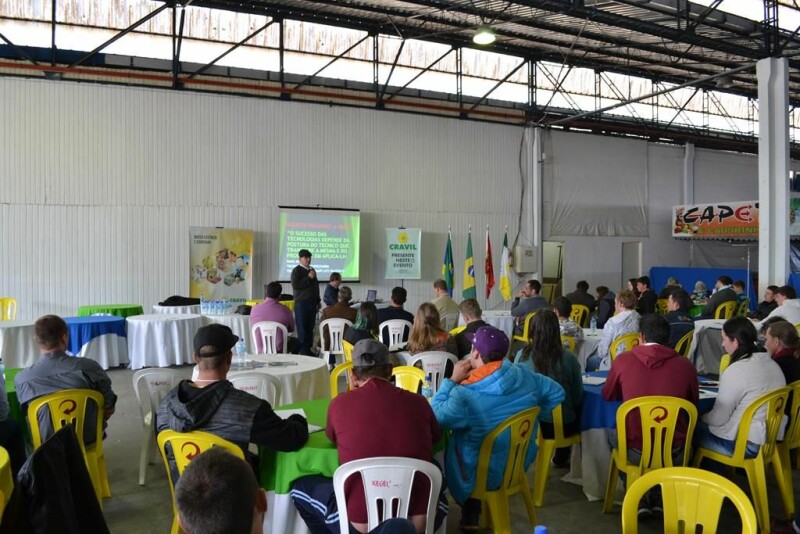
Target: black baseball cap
(218,336)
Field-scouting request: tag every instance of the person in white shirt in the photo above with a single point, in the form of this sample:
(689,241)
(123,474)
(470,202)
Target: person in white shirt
(625,321)
(788,306)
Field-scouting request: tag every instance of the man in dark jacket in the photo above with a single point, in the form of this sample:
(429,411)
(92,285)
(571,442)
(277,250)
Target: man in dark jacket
(306,300)
(581,295)
(680,323)
(723,294)
(605,305)
(471,312)
(647,297)
(766,306)
(213,405)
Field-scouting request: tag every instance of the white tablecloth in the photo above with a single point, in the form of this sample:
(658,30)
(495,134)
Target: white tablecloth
(706,350)
(587,346)
(193,309)
(589,465)
(17,346)
(239,324)
(308,380)
(161,340)
(501,319)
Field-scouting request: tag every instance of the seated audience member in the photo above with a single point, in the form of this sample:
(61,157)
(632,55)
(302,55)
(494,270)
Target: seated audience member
(740,288)
(566,325)
(331,295)
(632,286)
(471,312)
(342,308)
(528,300)
(55,370)
(581,295)
(788,305)
(626,321)
(647,301)
(783,344)
(605,305)
(650,369)
(700,291)
(680,323)
(217,493)
(749,375)
(213,405)
(766,306)
(395,311)
(443,302)
(365,326)
(723,294)
(672,283)
(545,355)
(427,333)
(374,419)
(272,310)
(484,391)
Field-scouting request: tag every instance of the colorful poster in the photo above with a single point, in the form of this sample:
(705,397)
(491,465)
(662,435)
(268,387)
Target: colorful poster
(403,253)
(220,263)
(721,220)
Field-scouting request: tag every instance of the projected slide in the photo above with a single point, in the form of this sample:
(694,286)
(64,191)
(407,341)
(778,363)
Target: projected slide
(330,234)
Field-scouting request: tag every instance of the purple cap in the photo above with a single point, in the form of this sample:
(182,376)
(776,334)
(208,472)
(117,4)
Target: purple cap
(490,341)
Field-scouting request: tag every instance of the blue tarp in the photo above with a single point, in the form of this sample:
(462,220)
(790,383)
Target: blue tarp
(687,276)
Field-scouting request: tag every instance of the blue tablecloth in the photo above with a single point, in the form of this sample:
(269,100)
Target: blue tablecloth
(687,276)
(84,329)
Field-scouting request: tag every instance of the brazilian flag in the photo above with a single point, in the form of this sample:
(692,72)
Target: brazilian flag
(469,272)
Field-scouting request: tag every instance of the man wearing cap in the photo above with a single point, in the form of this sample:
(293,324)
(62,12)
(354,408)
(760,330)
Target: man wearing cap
(374,419)
(485,390)
(210,403)
(306,300)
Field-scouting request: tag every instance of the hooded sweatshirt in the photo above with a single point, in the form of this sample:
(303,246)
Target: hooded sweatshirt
(648,370)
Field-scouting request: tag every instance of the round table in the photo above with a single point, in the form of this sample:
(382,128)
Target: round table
(17,345)
(99,338)
(239,325)
(304,378)
(587,346)
(161,340)
(501,319)
(120,310)
(181,310)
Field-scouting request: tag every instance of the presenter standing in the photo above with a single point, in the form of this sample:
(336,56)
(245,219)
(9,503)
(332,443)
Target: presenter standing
(305,287)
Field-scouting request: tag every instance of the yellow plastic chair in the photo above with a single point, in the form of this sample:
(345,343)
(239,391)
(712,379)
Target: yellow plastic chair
(791,438)
(337,371)
(407,377)
(683,344)
(348,351)
(494,503)
(659,417)
(547,447)
(69,407)
(775,405)
(569,343)
(691,497)
(743,308)
(580,314)
(662,306)
(725,310)
(8,308)
(6,480)
(623,343)
(457,330)
(526,329)
(185,446)
(724,362)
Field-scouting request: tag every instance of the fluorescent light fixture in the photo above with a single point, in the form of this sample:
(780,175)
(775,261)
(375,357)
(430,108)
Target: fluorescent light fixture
(484,36)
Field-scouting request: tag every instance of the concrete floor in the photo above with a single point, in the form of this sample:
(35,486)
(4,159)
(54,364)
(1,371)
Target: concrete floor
(148,508)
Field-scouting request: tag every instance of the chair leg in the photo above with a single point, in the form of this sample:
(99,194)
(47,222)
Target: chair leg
(91,465)
(498,509)
(783,472)
(698,458)
(526,495)
(144,455)
(757,478)
(102,474)
(543,457)
(611,486)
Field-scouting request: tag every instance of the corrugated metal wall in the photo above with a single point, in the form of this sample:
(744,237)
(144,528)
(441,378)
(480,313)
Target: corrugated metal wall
(99,185)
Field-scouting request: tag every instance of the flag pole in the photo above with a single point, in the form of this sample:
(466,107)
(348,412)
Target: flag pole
(485,276)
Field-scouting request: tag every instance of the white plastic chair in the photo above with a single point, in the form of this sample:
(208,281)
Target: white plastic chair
(267,332)
(387,483)
(434,363)
(262,385)
(336,328)
(449,321)
(157,383)
(397,329)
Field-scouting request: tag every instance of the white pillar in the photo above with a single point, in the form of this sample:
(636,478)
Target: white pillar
(773,172)
(688,174)
(535,165)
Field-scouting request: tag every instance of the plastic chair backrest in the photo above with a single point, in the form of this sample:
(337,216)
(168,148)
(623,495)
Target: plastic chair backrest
(396,331)
(725,310)
(580,314)
(743,308)
(66,407)
(457,330)
(623,343)
(662,306)
(6,479)
(792,434)
(569,343)
(691,497)
(336,327)
(558,424)
(659,417)
(338,370)
(347,350)
(387,485)
(724,362)
(8,308)
(267,331)
(775,404)
(435,364)
(526,328)
(262,385)
(520,427)
(683,344)
(408,378)
(158,382)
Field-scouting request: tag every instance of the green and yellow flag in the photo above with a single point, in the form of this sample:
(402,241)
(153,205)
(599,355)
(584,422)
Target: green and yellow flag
(448,269)
(469,272)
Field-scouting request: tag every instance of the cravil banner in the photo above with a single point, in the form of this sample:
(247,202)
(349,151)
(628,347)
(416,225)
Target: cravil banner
(403,253)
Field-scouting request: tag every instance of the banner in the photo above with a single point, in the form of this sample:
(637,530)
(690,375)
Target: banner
(403,253)
(722,220)
(220,264)
(469,271)
(448,269)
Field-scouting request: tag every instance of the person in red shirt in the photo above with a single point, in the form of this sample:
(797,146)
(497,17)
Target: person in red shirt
(374,419)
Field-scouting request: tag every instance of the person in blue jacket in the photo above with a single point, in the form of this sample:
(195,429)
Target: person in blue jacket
(483,391)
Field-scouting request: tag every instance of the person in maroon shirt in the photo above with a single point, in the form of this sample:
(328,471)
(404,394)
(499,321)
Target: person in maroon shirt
(374,419)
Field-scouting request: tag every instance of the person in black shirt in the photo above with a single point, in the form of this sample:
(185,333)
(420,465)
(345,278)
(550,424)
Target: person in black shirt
(471,311)
(647,297)
(680,323)
(766,306)
(395,311)
(306,300)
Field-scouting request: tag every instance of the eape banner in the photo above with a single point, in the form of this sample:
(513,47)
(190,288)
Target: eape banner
(220,261)
(721,220)
(403,253)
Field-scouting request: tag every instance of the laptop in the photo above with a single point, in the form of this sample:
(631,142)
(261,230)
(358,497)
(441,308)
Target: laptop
(372,295)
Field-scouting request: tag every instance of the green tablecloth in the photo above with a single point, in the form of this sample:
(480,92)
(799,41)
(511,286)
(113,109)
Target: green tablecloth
(14,409)
(120,310)
(318,457)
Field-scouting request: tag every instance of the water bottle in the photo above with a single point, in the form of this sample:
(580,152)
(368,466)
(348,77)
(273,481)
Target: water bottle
(202,306)
(540,529)
(427,392)
(241,352)
(594,324)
